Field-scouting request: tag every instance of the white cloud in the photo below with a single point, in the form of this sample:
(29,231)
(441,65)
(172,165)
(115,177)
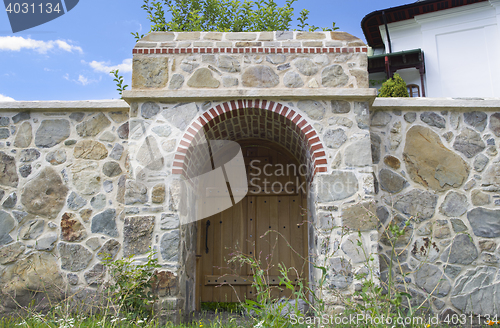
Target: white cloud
(105,67)
(81,79)
(5,98)
(16,43)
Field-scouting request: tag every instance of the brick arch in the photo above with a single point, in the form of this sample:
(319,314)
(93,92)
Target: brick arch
(253,119)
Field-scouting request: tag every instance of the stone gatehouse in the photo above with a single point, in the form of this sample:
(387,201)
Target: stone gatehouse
(83,179)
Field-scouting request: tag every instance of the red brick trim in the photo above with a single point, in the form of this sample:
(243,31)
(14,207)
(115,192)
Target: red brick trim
(262,50)
(311,142)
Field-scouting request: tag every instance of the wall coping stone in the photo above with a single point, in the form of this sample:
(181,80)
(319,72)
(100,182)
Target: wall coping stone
(436,104)
(57,105)
(363,94)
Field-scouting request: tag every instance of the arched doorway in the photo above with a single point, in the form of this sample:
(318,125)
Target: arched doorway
(268,225)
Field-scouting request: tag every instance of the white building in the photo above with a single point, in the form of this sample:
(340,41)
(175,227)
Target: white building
(455,44)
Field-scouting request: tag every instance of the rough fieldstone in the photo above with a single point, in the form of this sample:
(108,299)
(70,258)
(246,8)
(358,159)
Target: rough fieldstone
(380,119)
(35,278)
(491,178)
(492,151)
(93,126)
(229,81)
(477,120)
(480,162)
(431,164)
(163,130)
(430,278)
(487,245)
(203,78)
(45,194)
(314,109)
(360,217)
(448,136)
(228,63)
(137,234)
(24,136)
(85,214)
(109,249)
(169,221)
(96,275)
(495,124)
(479,198)
(180,116)
(362,111)
(375,147)
(10,201)
(47,242)
(22,116)
(433,119)
(336,186)
(461,251)
(426,250)
(306,66)
(354,252)
(410,117)
(93,243)
(339,120)
(31,229)
(284,67)
(340,106)
(149,72)
(334,138)
(149,155)
(401,241)
(51,133)
(392,162)
(149,109)
(135,193)
(116,152)
(292,79)
(454,204)
(71,228)
(107,136)
(119,117)
(452,271)
(158,194)
(189,66)
(76,202)
(111,169)
(334,77)
(475,292)
(458,225)
(107,186)
(105,223)
(89,149)
(86,179)
(259,77)
(484,222)
(123,131)
(74,257)
(469,143)
(8,174)
(56,157)
(176,81)
(29,155)
(391,182)
(358,153)
(276,59)
(169,246)
(25,170)
(11,252)
(98,202)
(77,116)
(417,203)
(361,76)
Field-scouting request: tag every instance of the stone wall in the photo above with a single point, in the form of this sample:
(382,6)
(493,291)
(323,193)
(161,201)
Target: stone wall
(437,165)
(80,179)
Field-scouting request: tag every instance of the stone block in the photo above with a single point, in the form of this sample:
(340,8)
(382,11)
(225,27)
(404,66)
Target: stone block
(181,36)
(241,36)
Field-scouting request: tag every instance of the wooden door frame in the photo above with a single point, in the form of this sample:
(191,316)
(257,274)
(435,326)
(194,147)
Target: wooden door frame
(246,143)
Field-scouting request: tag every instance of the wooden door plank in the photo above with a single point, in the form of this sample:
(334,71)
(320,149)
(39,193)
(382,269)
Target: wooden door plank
(207,258)
(251,240)
(217,253)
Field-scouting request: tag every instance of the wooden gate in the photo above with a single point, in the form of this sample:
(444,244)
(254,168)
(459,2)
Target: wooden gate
(269,224)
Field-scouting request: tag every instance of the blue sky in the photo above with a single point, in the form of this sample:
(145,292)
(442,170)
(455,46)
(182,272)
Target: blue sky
(69,57)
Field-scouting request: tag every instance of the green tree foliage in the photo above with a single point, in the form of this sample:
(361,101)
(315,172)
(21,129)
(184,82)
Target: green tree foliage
(394,87)
(223,16)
